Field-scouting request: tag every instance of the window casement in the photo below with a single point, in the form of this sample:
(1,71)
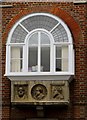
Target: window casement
(40,46)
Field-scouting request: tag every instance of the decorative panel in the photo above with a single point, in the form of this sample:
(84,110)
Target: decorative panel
(40,92)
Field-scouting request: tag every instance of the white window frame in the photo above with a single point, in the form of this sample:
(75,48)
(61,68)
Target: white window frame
(52,75)
(51,48)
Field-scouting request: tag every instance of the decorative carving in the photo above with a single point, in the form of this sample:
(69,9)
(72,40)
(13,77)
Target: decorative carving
(21,91)
(57,92)
(39,92)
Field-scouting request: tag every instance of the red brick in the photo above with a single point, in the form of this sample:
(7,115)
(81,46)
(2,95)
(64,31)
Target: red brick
(74,15)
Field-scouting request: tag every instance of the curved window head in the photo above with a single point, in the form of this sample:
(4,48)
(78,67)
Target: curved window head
(39,44)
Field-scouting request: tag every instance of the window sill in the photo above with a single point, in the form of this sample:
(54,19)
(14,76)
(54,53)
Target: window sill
(42,76)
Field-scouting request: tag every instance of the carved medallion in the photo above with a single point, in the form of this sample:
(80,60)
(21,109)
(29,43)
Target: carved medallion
(39,92)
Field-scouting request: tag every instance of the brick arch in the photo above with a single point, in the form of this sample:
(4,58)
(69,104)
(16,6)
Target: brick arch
(66,17)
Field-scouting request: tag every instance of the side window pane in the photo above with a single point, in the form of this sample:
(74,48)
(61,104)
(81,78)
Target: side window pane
(58,52)
(33,59)
(62,58)
(58,64)
(45,59)
(16,59)
(65,58)
(58,58)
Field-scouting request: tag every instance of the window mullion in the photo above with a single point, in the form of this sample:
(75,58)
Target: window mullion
(54,59)
(51,58)
(39,51)
(25,59)
(70,62)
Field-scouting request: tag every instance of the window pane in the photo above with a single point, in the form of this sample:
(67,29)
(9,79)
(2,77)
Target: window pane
(16,52)
(62,58)
(33,39)
(44,39)
(16,65)
(58,58)
(16,59)
(65,58)
(32,59)
(45,59)
(58,64)
(58,52)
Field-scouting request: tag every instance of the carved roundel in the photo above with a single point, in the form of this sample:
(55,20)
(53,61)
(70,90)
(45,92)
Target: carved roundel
(39,92)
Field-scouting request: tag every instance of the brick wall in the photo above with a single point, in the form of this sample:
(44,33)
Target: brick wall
(74,15)
(0,66)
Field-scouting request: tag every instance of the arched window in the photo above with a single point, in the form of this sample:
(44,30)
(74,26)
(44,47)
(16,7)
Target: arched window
(39,52)
(40,46)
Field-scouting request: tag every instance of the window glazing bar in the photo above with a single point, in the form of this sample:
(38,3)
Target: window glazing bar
(54,27)
(39,51)
(23,27)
